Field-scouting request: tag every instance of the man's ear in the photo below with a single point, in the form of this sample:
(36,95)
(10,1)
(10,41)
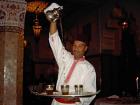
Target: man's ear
(86,47)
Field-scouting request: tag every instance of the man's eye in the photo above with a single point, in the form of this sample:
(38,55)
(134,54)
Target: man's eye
(80,46)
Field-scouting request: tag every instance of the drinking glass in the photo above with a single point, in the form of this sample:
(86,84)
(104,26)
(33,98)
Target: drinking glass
(49,89)
(78,89)
(65,89)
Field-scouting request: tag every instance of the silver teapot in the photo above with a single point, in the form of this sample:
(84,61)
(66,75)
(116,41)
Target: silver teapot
(53,15)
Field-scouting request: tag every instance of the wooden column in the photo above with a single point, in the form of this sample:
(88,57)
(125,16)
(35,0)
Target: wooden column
(12,16)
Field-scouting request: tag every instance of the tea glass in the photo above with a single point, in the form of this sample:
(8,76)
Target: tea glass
(49,89)
(65,89)
(78,89)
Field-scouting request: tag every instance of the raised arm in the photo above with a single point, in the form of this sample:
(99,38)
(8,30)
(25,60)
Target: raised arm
(53,27)
(61,55)
(59,52)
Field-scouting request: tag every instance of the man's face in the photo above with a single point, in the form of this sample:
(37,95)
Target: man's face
(78,49)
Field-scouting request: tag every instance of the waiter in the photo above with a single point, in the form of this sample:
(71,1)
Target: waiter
(74,69)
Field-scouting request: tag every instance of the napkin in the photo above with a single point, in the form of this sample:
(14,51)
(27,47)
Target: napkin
(52,6)
(113,96)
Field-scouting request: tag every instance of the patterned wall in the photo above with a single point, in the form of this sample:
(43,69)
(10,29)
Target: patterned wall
(12,14)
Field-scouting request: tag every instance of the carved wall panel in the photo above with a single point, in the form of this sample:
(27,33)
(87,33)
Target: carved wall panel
(12,14)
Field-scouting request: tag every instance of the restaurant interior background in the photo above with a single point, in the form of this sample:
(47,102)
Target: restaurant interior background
(114,47)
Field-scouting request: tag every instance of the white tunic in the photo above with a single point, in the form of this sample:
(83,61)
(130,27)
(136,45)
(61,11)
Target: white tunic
(84,72)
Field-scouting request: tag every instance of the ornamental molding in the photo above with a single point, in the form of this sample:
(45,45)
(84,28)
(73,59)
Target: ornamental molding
(12,13)
(11,29)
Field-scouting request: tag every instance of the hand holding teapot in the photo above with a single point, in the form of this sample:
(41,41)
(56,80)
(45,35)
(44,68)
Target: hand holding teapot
(53,12)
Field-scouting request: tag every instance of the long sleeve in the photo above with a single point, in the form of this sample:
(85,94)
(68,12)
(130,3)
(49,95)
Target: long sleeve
(60,53)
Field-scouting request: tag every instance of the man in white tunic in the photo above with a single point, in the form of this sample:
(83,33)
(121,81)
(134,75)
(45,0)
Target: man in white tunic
(74,69)
(82,71)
